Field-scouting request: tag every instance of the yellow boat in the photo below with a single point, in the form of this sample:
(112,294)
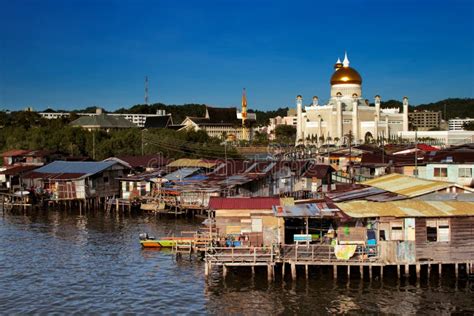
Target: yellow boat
(165,242)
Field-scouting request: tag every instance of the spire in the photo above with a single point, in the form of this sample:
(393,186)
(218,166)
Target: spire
(244,106)
(346,60)
(338,60)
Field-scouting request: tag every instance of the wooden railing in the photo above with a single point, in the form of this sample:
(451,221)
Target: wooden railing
(325,253)
(240,255)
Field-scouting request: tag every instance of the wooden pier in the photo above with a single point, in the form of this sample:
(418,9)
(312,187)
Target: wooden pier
(364,264)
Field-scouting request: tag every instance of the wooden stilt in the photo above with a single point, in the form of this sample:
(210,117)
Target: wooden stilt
(224,271)
(269,272)
(334,271)
(440,269)
(456,270)
(381,272)
(407,271)
(429,270)
(361,272)
(398,271)
(206,269)
(283,266)
(348,272)
(306,270)
(293,271)
(418,271)
(370,272)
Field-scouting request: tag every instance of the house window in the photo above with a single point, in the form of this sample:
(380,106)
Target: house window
(397,232)
(440,172)
(465,173)
(437,230)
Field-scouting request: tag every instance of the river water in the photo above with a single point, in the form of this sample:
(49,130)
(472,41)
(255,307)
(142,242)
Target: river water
(66,262)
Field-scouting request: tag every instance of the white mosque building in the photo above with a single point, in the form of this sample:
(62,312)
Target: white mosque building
(348,113)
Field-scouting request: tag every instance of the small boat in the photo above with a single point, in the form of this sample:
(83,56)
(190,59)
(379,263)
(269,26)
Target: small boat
(166,242)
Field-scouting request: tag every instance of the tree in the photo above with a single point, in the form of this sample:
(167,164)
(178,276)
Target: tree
(285,133)
(469,126)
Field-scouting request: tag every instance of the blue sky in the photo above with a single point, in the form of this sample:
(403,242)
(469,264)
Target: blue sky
(73,54)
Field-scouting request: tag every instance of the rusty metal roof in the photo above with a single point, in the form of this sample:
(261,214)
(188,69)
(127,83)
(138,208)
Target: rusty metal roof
(406,185)
(251,203)
(407,208)
(305,210)
(192,163)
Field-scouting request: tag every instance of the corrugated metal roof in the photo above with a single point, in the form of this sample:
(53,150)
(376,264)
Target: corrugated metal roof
(304,210)
(192,163)
(16,170)
(407,208)
(355,194)
(251,203)
(180,174)
(84,167)
(405,185)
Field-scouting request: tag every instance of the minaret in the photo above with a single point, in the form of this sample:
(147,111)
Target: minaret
(315,101)
(355,118)
(377,116)
(345,62)
(405,114)
(339,115)
(244,115)
(299,119)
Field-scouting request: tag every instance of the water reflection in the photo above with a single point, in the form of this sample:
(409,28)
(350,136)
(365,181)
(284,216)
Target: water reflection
(67,262)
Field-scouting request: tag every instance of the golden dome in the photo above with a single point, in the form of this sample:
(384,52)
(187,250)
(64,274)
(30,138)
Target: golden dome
(345,75)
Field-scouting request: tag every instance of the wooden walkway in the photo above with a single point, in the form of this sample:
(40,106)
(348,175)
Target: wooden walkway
(365,261)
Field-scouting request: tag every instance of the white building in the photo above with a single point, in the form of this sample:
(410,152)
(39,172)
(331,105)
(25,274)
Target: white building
(290,119)
(347,112)
(137,119)
(440,137)
(457,124)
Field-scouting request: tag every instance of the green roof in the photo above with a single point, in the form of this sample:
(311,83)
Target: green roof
(103,121)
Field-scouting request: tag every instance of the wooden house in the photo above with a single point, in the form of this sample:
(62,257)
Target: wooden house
(412,231)
(250,221)
(74,180)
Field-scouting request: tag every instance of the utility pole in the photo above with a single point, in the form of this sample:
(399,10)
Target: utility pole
(226,172)
(146,90)
(415,172)
(383,148)
(93,145)
(142,141)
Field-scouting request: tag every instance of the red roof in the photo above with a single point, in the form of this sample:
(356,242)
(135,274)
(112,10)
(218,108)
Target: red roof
(426,147)
(15,152)
(16,170)
(252,203)
(318,171)
(148,161)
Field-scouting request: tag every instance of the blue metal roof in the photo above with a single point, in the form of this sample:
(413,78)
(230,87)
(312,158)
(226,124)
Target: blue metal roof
(87,167)
(180,174)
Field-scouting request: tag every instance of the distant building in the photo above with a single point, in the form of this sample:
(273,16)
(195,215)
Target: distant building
(348,112)
(162,121)
(137,119)
(439,137)
(102,121)
(221,122)
(290,119)
(457,124)
(425,120)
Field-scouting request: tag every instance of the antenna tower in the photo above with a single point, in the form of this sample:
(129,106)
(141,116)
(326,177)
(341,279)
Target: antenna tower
(146,90)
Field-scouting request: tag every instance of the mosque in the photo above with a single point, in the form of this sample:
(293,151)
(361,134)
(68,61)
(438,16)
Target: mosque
(348,113)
